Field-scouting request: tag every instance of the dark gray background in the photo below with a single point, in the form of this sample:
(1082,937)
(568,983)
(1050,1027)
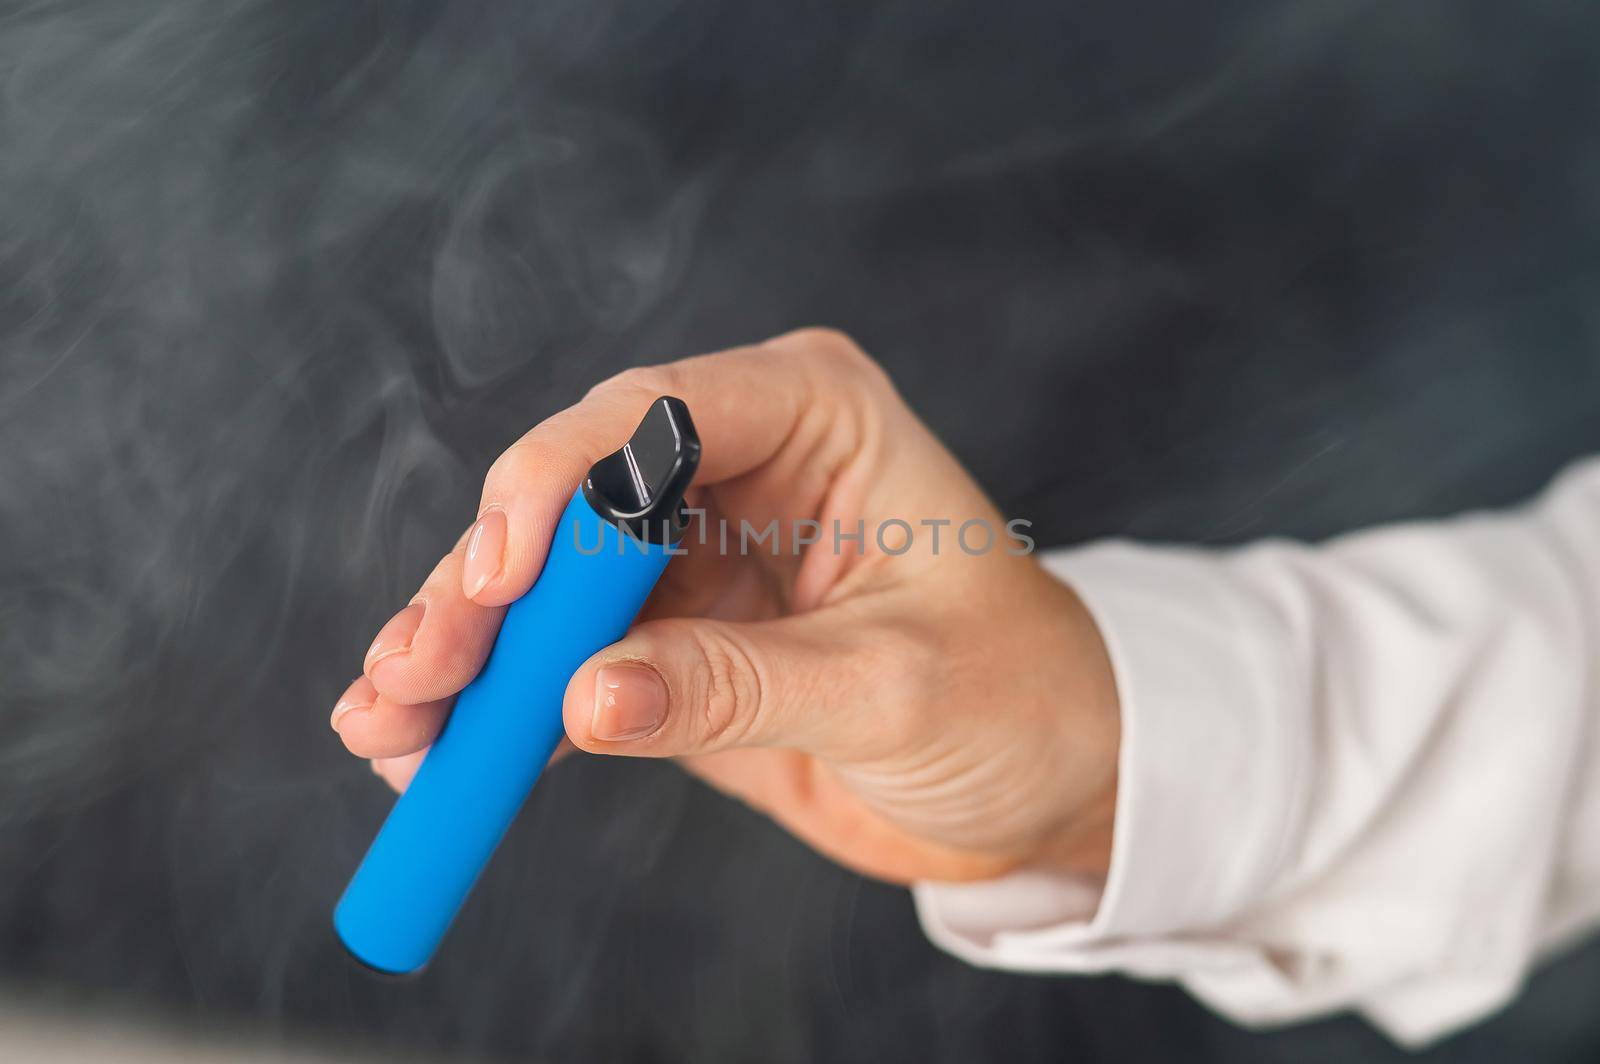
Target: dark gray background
(278,280)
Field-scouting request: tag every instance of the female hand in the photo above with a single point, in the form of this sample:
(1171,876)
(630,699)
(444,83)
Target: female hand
(910,709)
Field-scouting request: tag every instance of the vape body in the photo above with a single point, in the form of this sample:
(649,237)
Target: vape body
(505,725)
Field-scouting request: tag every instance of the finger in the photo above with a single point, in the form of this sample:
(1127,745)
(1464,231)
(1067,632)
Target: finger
(798,398)
(815,682)
(398,772)
(436,645)
(371,725)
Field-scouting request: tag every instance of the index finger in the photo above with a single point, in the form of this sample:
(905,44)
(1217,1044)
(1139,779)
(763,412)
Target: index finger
(796,397)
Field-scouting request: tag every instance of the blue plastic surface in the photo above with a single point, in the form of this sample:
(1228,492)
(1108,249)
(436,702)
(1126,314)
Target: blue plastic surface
(503,729)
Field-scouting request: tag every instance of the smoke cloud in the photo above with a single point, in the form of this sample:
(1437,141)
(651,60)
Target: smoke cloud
(279,280)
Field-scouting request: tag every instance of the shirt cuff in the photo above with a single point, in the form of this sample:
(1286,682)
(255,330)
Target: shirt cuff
(1210,781)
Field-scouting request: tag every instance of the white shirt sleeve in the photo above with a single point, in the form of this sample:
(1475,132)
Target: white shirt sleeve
(1362,775)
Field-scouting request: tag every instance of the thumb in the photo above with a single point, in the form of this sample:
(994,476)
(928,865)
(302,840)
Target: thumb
(692,686)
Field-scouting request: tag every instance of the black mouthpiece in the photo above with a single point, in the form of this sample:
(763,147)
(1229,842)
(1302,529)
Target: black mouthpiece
(640,488)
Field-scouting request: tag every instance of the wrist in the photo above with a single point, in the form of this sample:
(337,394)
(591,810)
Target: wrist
(1089,736)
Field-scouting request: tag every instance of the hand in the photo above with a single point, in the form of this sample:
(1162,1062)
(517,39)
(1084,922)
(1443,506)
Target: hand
(915,714)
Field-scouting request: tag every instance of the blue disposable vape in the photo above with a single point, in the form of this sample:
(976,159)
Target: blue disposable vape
(612,544)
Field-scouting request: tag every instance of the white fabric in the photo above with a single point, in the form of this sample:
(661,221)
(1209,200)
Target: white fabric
(1361,775)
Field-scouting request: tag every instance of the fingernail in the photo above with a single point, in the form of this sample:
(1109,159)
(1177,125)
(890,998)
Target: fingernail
(395,637)
(486,548)
(630,702)
(343,706)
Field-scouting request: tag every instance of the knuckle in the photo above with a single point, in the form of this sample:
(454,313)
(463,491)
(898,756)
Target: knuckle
(526,461)
(900,675)
(899,652)
(513,462)
(839,358)
(826,341)
(731,690)
(445,575)
(654,380)
(835,346)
